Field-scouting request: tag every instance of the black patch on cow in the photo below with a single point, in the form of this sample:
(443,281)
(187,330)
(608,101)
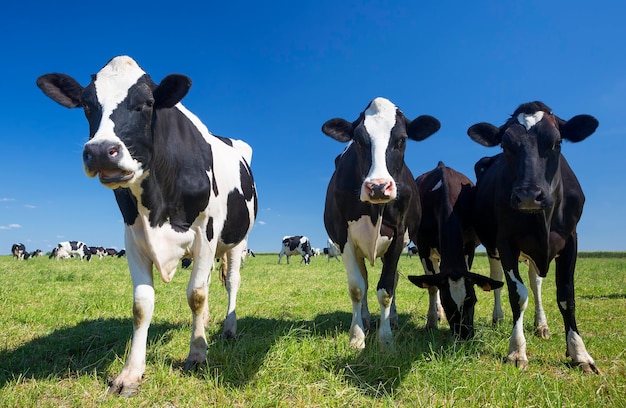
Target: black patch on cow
(178,187)
(127,203)
(226,140)
(210,232)
(237,220)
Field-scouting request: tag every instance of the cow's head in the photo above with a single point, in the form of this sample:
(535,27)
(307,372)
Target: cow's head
(531,142)
(120,104)
(458,297)
(379,136)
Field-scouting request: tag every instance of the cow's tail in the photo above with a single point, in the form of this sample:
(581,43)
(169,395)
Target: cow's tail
(224,268)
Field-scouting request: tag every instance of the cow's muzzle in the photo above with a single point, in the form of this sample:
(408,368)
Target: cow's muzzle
(530,199)
(103,159)
(378,191)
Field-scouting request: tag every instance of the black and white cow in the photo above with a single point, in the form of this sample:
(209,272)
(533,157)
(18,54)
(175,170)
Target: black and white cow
(294,245)
(371,201)
(71,249)
(527,205)
(411,250)
(446,242)
(36,253)
(96,251)
(332,251)
(181,190)
(110,251)
(18,251)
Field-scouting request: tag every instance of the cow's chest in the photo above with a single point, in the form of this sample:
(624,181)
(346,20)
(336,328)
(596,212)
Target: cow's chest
(369,240)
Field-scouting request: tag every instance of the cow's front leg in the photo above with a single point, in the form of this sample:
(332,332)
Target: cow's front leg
(541,323)
(128,381)
(386,292)
(357,288)
(576,350)
(518,298)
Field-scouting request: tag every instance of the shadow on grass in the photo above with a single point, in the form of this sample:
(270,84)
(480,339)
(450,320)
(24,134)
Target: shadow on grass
(72,351)
(92,346)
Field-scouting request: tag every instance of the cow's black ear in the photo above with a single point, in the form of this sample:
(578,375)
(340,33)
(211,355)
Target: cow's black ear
(485,133)
(339,129)
(578,128)
(427,281)
(485,283)
(422,127)
(61,88)
(171,90)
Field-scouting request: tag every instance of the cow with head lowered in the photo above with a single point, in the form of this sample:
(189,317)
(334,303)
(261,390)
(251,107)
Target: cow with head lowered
(446,242)
(527,205)
(371,201)
(18,251)
(181,190)
(294,245)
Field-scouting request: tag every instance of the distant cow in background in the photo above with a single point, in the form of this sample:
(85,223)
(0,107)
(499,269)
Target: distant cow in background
(70,249)
(332,251)
(294,245)
(36,253)
(96,251)
(371,202)
(446,241)
(410,251)
(18,251)
(110,251)
(528,203)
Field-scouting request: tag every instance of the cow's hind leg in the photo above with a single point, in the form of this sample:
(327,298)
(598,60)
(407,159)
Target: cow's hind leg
(496,273)
(232,280)
(435,312)
(128,381)
(541,323)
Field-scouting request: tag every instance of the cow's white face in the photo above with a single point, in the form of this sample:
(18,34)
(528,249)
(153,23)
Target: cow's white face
(379,121)
(112,85)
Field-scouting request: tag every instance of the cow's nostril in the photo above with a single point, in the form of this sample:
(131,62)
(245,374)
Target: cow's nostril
(114,151)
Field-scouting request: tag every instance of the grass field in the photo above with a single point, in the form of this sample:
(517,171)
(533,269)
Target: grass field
(65,328)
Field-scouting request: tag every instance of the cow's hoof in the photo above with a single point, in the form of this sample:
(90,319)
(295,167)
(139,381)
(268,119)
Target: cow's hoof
(588,368)
(122,389)
(520,363)
(193,365)
(543,332)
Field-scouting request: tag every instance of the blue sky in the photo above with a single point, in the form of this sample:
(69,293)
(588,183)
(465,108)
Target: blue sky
(272,73)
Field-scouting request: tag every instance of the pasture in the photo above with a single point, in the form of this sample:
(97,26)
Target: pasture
(66,325)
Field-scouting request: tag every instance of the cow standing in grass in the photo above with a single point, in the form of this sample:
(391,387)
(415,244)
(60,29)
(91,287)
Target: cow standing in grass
(527,205)
(181,190)
(371,201)
(446,242)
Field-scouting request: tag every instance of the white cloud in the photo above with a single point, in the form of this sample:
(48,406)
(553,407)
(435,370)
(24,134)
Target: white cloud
(5,200)
(10,226)
(261,222)
(30,206)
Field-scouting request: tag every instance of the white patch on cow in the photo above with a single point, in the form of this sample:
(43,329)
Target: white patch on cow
(576,348)
(366,239)
(112,84)
(437,186)
(380,118)
(563,305)
(457,291)
(529,120)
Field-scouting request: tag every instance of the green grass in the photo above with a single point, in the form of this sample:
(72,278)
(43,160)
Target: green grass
(66,325)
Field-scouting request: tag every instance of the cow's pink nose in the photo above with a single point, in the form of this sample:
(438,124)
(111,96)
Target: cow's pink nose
(377,190)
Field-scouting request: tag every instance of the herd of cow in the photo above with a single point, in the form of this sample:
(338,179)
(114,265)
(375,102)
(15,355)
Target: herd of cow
(67,249)
(184,192)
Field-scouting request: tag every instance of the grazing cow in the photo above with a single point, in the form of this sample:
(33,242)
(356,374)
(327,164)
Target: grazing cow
(527,205)
(121,253)
(293,245)
(371,201)
(110,251)
(181,190)
(36,253)
(446,241)
(244,254)
(332,251)
(70,249)
(410,251)
(18,251)
(97,251)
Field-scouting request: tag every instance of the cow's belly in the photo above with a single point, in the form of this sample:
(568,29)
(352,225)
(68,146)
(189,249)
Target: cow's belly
(366,239)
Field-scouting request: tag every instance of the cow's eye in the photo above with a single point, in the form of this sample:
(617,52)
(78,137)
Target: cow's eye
(556,147)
